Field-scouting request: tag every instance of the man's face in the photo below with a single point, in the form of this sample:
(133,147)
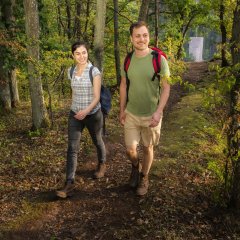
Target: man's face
(140,38)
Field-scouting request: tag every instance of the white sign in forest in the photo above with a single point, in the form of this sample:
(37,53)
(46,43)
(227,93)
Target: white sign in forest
(196,48)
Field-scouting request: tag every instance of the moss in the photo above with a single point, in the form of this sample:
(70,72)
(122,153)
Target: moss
(29,212)
(189,132)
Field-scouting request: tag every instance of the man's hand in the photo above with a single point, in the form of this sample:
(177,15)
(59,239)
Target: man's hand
(156,117)
(122,117)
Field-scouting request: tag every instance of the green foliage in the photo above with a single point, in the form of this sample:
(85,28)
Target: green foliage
(55,42)
(218,168)
(11,51)
(36,133)
(178,17)
(2,125)
(177,67)
(195,138)
(221,83)
(52,64)
(217,99)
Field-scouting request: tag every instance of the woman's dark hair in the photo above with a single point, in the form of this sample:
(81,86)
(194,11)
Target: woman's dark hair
(79,44)
(137,25)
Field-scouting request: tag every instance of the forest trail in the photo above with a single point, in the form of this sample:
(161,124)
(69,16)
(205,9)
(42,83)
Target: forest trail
(178,205)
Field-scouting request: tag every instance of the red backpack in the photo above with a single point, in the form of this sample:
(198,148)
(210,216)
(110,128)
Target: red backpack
(156,61)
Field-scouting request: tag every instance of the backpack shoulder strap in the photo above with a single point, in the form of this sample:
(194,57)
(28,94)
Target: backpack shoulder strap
(126,66)
(71,71)
(91,74)
(156,61)
(127,61)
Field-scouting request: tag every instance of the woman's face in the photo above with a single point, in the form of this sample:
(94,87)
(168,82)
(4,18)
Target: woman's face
(80,55)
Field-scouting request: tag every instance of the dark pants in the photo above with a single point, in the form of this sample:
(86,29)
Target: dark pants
(94,124)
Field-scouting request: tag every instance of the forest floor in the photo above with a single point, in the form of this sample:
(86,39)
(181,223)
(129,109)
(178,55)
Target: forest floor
(183,202)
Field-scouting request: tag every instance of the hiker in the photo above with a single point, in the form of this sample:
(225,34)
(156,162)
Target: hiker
(85,112)
(141,104)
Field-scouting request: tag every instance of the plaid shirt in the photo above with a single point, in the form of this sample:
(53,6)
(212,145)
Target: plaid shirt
(82,89)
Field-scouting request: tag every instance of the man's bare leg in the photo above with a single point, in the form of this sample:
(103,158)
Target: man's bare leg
(135,173)
(146,166)
(147,159)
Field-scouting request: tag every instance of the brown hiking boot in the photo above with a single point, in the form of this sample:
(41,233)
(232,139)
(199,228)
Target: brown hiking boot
(100,171)
(143,185)
(134,177)
(66,191)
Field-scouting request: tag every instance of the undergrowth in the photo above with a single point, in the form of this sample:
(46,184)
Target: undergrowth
(193,134)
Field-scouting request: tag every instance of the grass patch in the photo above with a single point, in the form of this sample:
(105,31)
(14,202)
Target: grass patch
(184,129)
(189,128)
(190,133)
(29,212)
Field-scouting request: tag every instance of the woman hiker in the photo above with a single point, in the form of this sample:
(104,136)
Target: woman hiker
(85,112)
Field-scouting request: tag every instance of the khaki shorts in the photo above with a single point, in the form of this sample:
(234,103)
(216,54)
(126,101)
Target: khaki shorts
(137,128)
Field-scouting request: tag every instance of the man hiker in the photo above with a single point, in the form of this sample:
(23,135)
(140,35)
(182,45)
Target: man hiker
(143,96)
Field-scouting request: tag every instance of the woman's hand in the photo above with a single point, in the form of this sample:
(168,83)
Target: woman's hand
(81,114)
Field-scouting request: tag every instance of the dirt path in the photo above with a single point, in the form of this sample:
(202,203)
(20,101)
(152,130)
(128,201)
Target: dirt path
(107,209)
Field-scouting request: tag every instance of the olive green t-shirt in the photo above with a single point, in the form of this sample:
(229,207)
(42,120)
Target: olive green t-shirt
(143,94)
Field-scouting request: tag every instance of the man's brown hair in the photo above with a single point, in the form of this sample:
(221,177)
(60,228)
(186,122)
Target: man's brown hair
(137,25)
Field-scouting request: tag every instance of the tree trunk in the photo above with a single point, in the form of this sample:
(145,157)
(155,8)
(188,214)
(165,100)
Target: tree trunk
(224,34)
(180,49)
(116,42)
(39,113)
(234,128)
(156,22)
(235,49)
(183,31)
(143,13)
(59,21)
(68,11)
(14,89)
(9,96)
(77,24)
(99,33)
(5,97)
(13,76)
(234,143)
(85,35)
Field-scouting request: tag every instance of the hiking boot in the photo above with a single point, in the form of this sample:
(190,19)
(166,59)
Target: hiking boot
(134,177)
(143,185)
(100,171)
(66,191)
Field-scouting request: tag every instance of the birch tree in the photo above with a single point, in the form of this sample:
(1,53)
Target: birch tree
(99,33)
(39,113)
